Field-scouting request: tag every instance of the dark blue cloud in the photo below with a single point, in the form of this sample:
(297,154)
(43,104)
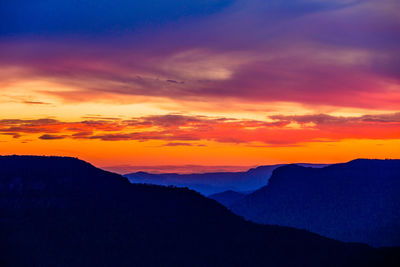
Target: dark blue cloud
(288,8)
(92,17)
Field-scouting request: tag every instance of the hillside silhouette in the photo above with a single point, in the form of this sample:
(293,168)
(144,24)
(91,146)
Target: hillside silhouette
(358,201)
(65,212)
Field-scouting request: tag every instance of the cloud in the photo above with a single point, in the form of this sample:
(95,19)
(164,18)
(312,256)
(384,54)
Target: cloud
(395,117)
(189,130)
(108,18)
(51,137)
(321,119)
(35,103)
(177,144)
(173,81)
(14,135)
(55,126)
(99,118)
(335,53)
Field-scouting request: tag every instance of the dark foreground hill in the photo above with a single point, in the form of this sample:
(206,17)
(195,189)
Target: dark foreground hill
(212,183)
(65,212)
(358,201)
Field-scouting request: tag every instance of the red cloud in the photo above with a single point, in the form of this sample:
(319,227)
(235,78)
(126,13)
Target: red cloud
(179,129)
(52,137)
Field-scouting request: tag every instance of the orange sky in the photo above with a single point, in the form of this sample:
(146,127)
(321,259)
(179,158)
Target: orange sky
(239,84)
(151,133)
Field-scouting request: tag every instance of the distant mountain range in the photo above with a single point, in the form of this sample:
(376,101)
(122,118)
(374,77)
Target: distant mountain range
(212,183)
(181,169)
(358,201)
(65,212)
(228,198)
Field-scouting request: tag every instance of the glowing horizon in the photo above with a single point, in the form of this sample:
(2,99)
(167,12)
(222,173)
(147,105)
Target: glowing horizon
(222,83)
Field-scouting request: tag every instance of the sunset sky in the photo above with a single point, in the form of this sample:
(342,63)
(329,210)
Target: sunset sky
(216,82)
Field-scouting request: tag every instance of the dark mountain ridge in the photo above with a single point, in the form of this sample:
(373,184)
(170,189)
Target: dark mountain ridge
(65,212)
(228,198)
(358,201)
(212,183)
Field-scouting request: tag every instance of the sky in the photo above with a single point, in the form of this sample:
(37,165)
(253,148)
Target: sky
(209,83)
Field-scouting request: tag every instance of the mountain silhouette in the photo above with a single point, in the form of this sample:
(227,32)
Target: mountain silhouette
(228,197)
(65,212)
(358,201)
(212,183)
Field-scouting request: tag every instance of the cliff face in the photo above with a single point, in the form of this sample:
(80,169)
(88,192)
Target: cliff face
(358,201)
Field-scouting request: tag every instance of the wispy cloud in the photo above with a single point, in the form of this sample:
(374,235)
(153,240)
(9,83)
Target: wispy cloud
(337,53)
(35,103)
